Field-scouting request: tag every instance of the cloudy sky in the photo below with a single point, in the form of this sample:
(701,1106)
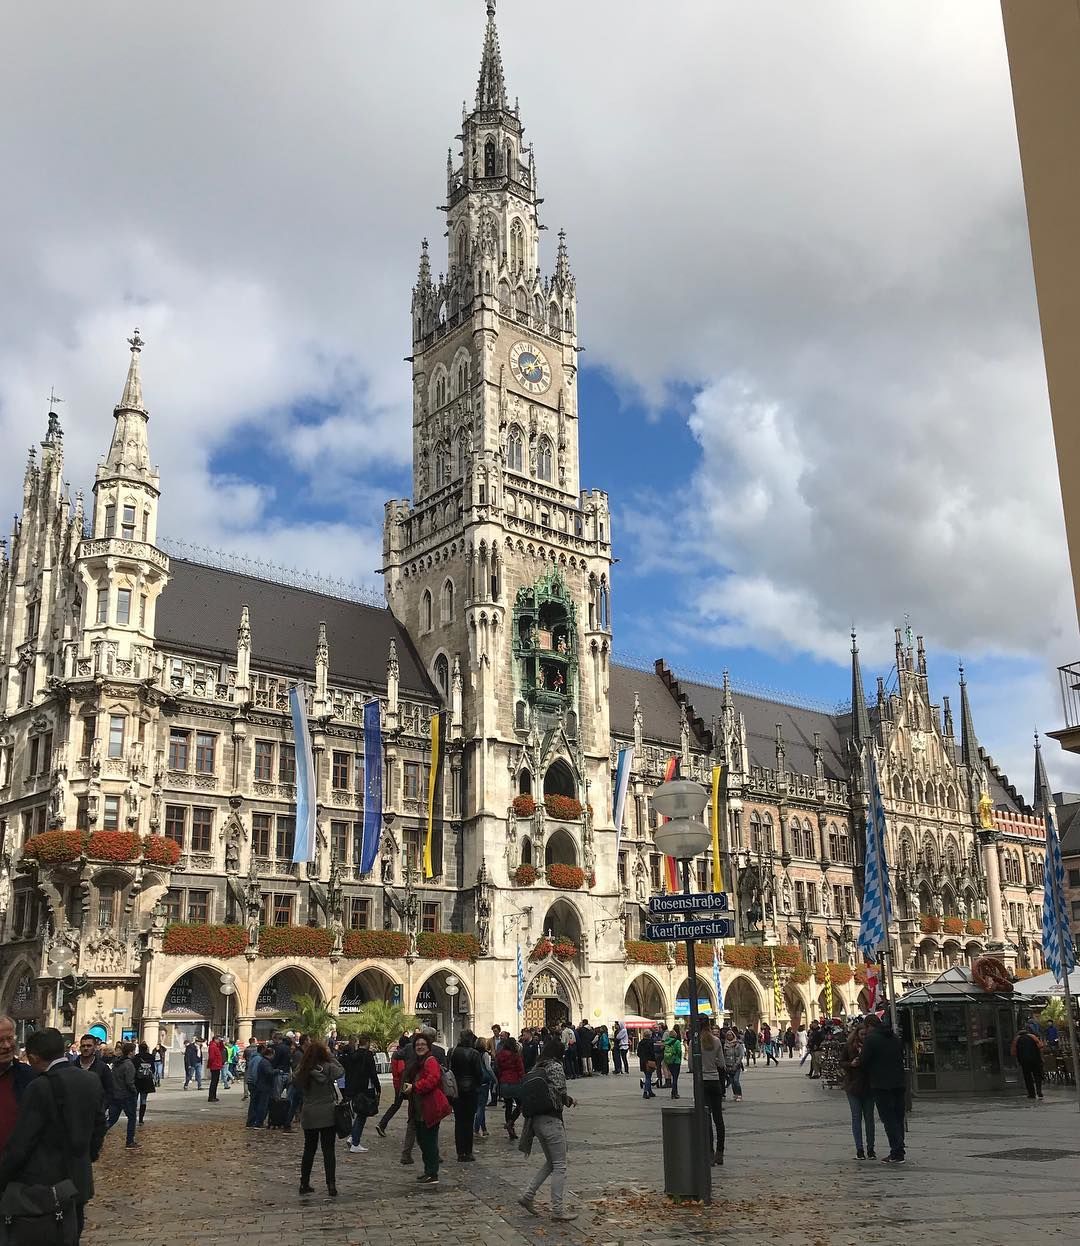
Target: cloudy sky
(812,383)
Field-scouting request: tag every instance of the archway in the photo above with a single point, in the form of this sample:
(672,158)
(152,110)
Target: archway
(549,1001)
(194,1006)
(562,921)
(559,848)
(559,780)
(706,1003)
(645,998)
(24,1002)
(951,953)
(447,1013)
(368,986)
(863,1002)
(276,1000)
(743,1001)
(794,1001)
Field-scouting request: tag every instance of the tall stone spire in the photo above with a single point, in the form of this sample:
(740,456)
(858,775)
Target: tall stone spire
(491,89)
(969,744)
(129,452)
(860,719)
(1043,797)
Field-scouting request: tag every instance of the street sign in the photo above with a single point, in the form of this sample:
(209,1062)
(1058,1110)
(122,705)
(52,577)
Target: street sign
(675,932)
(695,902)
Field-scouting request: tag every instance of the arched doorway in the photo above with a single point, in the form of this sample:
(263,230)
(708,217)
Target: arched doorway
(547,1001)
(645,998)
(682,1000)
(193,1006)
(794,1002)
(447,1013)
(367,986)
(561,921)
(276,1000)
(744,1003)
(559,780)
(560,849)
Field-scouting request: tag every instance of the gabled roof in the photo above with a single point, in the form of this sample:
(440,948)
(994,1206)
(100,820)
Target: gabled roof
(661,718)
(1069,829)
(199,611)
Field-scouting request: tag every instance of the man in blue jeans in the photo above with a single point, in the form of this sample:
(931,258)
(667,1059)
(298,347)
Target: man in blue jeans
(883,1063)
(192,1064)
(262,1089)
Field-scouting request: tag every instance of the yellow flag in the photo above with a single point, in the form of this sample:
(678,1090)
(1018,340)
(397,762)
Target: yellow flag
(717,867)
(434,814)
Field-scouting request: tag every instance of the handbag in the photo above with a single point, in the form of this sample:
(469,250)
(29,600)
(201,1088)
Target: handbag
(650,1066)
(365,1104)
(343,1115)
(41,1215)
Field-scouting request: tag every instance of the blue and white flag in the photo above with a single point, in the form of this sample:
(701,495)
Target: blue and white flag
(622,782)
(304,839)
(1056,934)
(373,780)
(718,984)
(876,905)
(520,981)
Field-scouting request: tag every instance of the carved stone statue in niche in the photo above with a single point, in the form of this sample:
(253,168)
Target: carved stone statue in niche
(5,890)
(253,904)
(826,899)
(387,860)
(641,882)
(57,800)
(785,893)
(232,857)
(484,889)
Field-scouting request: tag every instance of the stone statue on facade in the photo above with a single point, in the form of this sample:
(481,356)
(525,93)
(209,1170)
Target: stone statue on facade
(939,904)
(253,904)
(484,888)
(335,909)
(826,899)
(986,812)
(5,890)
(785,896)
(159,919)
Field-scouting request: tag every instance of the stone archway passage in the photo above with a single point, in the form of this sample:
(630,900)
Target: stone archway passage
(644,998)
(547,1002)
(367,986)
(742,1002)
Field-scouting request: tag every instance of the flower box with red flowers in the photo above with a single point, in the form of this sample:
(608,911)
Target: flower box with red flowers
(839,972)
(565,877)
(801,972)
(525,875)
(565,808)
(159,850)
(929,924)
(953,925)
(55,847)
(199,939)
(542,948)
(365,944)
(976,926)
(564,949)
(524,806)
(113,846)
(642,952)
(447,945)
(294,941)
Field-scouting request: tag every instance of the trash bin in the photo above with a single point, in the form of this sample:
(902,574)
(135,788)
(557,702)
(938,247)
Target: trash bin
(680,1146)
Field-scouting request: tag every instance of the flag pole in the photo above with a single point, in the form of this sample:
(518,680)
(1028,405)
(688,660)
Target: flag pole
(1070,1016)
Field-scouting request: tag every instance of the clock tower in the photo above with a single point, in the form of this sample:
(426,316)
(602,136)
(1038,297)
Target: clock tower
(499,565)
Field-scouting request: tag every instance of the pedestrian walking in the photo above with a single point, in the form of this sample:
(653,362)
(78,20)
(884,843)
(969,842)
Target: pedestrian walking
(882,1060)
(543,1099)
(145,1080)
(1028,1052)
(423,1087)
(215,1062)
(621,1048)
(316,1075)
(510,1070)
(480,1129)
(362,1087)
(713,1076)
(859,1095)
(253,1060)
(646,1054)
(399,1057)
(56,1137)
(673,1058)
(789,1042)
(734,1061)
(90,1059)
(569,1040)
(15,1076)
(768,1046)
(124,1091)
(192,1064)
(467,1066)
(750,1043)
(815,1041)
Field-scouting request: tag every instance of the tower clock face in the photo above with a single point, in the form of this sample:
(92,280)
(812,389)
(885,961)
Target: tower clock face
(529,367)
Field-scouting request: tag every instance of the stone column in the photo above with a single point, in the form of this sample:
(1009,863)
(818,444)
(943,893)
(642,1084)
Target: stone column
(988,842)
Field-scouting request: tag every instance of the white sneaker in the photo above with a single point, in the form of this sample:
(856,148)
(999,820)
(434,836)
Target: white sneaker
(358,1149)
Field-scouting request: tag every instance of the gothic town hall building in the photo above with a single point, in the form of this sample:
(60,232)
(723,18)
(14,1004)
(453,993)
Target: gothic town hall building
(147,764)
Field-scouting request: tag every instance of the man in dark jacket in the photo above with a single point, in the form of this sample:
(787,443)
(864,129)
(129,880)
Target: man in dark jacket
(89,1058)
(1028,1052)
(530,1049)
(883,1064)
(14,1077)
(362,1085)
(584,1048)
(467,1067)
(646,1054)
(61,1123)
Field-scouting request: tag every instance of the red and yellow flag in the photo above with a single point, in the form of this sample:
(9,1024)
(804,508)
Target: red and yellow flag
(671,867)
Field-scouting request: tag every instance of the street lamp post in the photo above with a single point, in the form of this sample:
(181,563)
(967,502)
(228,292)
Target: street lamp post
(683,837)
(451,987)
(228,989)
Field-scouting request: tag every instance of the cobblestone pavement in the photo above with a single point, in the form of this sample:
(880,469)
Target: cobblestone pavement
(790,1176)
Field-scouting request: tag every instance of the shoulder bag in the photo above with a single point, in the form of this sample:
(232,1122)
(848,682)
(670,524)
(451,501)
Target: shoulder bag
(42,1215)
(343,1114)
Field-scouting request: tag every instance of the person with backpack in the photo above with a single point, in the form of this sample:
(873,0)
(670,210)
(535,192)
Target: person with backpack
(543,1096)
(510,1070)
(124,1095)
(362,1088)
(734,1059)
(423,1087)
(673,1058)
(145,1082)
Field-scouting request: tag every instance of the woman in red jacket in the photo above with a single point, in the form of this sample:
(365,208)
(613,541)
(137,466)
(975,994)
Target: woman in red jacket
(215,1062)
(510,1069)
(423,1081)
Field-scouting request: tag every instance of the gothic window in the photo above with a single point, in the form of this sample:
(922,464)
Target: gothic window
(462,245)
(795,826)
(517,247)
(544,460)
(755,832)
(509,159)
(442,474)
(440,390)
(463,376)
(526,852)
(538,311)
(515,450)
(504,297)
(605,614)
(525,783)
(950,798)
(568,321)
(766,831)
(442,674)
(489,158)
(521,301)
(906,790)
(462,456)
(952,856)
(446,603)
(425,612)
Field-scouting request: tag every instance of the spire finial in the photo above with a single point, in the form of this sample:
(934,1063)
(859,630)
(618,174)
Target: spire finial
(860,717)
(136,343)
(132,400)
(491,89)
(491,8)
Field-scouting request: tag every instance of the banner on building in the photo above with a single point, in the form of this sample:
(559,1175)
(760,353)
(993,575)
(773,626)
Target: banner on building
(435,794)
(719,800)
(623,767)
(373,786)
(304,838)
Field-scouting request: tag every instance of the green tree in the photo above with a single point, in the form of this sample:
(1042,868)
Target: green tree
(1054,1011)
(311,1017)
(384,1022)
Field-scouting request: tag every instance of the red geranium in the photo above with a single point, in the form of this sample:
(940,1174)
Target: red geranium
(525,875)
(524,806)
(55,847)
(113,846)
(565,877)
(447,945)
(294,941)
(564,807)
(197,939)
(159,850)
(364,944)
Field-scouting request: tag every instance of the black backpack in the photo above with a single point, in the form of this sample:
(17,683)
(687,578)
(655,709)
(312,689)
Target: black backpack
(535,1095)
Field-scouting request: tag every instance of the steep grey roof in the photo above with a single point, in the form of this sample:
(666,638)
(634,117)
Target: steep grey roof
(797,726)
(661,718)
(199,612)
(1069,829)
